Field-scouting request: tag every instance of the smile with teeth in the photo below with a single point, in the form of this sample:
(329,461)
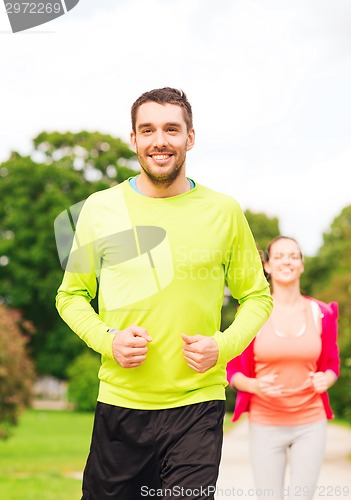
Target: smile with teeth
(160,157)
(286,270)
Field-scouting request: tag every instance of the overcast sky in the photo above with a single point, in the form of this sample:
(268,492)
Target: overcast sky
(269,82)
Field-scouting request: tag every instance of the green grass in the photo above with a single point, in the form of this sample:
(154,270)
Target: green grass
(227,423)
(44,454)
(342,422)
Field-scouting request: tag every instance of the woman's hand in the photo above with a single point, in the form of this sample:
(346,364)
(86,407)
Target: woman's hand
(321,381)
(266,385)
(261,386)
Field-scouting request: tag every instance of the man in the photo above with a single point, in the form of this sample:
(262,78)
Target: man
(162,248)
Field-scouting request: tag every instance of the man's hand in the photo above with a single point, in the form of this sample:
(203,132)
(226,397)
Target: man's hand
(200,352)
(129,347)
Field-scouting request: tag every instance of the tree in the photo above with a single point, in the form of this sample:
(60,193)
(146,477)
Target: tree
(16,369)
(334,256)
(83,382)
(328,277)
(339,290)
(93,154)
(32,195)
(263,228)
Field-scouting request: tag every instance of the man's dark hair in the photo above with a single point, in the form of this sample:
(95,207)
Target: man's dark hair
(166,95)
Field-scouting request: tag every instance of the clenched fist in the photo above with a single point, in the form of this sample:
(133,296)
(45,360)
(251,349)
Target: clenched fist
(129,347)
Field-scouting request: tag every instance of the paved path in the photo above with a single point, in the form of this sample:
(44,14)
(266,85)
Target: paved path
(235,479)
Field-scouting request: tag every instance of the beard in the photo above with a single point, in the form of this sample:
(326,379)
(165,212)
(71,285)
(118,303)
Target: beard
(162,178)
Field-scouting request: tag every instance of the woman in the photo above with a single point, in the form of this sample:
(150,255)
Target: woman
(282,378)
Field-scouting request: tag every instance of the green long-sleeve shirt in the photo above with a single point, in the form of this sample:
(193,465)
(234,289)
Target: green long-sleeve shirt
(162,264)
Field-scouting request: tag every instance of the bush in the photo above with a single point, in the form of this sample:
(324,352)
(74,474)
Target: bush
(83,383)
(230,399)
(16,370)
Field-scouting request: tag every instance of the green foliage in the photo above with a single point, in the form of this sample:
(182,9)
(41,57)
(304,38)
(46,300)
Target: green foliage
(83,381)
(339,290)
(263,228)
(327,276)
(16,371)
(315,275)
(334,257)
(32,196)
(93,154)
(58,348)
(338,238)
(230,396)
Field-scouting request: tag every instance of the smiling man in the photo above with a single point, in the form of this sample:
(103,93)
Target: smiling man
(161,140)
(162,248)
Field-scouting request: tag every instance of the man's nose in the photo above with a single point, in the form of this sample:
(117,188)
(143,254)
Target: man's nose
(160,139)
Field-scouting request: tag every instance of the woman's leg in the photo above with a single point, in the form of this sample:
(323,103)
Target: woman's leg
(306,458)
(268,450)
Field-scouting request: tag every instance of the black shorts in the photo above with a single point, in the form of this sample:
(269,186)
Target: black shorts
(145,454)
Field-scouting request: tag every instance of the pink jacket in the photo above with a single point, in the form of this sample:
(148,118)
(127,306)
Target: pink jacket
(328,360)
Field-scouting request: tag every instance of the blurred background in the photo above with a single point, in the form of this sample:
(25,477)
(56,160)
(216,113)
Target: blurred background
(269,85)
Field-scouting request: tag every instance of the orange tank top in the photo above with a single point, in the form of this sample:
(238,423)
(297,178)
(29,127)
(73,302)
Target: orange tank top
(291,359)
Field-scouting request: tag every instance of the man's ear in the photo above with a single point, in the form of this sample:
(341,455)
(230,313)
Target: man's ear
(191,139)
(133,141)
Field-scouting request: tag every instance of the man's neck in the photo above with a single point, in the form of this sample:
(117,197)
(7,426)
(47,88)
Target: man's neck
(148,188)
